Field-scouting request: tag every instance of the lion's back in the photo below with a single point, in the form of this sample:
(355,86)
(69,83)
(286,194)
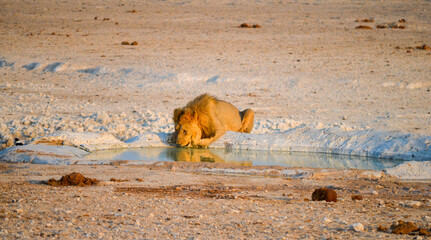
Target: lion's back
(205,107)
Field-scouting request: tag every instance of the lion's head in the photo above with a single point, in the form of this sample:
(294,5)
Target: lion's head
(187,130)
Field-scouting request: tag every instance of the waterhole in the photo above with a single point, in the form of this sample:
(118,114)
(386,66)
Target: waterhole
(245,157)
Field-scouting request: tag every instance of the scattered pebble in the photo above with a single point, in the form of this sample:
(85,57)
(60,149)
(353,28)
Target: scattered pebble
(424,232)
(364,27)
(245,25)
(365,20)
(423,47)
(381,228)
(412,204)
(403,227)
(374,192)
(19,210)
(391,25)
(134,43)
(358,227)
(326,194)
(118,180)
(357,197)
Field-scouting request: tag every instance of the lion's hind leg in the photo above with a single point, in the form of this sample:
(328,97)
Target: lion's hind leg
(247,120)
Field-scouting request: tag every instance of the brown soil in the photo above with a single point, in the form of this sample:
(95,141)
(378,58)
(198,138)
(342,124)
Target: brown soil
(364,27)
(392,25)
(357,197)
(245,25)
(404,227)
(118,180)
(73,179)
(365,20)
(381,228)
(423,47)
(424,232)
(326,194)
(198,191)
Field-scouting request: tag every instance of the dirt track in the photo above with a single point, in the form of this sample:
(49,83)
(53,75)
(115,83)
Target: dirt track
(188,201)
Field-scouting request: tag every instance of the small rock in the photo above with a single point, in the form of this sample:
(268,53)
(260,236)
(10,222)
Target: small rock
(327,220)
(403,227)
(19,210)
(358,227)
(423,47)
(374,192)
(381,228)
(357,197)
(326,194)
(6,86)
(423,232)
(364,27)
(10,142)
(17,134)
(365,20)
(411,204)
(245,25)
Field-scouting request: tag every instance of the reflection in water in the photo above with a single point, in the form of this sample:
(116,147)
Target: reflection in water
(201,155)
(245,157)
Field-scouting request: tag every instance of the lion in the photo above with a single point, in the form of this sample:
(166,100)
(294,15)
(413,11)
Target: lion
(205,119)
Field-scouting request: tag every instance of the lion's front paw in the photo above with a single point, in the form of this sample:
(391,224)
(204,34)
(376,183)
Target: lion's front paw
(204,142)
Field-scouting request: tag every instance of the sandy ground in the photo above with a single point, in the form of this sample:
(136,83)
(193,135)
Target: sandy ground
(307,63)
(196,201)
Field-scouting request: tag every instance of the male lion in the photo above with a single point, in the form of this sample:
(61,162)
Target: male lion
(205,119)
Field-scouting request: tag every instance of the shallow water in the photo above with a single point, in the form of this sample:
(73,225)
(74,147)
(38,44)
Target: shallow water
(245,157)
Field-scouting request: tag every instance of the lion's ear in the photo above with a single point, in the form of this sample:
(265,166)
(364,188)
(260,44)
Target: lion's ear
(177,114)
(188,115)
